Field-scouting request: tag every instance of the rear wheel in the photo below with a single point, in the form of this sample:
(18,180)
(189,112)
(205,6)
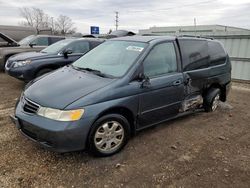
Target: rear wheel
(43,71)
(212,99)
(109,135)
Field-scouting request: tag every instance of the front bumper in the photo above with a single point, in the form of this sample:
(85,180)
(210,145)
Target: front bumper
(1,63)
(54,135)
(21,73)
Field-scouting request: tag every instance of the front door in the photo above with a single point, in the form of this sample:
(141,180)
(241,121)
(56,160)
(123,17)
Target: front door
(79,48)
(161,98)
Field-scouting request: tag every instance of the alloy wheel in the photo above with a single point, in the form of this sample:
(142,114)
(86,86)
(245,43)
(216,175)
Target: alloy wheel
(109,136)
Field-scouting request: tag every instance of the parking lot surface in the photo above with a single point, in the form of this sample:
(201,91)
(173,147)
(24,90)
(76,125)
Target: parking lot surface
(199,150)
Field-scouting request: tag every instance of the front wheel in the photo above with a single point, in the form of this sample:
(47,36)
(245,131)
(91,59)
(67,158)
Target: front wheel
(109,135)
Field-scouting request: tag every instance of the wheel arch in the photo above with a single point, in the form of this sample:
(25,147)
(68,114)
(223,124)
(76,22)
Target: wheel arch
(53,67)
(124,111)
(219,86)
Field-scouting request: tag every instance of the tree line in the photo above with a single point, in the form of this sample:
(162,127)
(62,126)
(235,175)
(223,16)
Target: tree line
(37,18)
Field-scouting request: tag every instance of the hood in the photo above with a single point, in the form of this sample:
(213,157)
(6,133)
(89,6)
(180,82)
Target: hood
(30,55)
(11,41)
(64,86)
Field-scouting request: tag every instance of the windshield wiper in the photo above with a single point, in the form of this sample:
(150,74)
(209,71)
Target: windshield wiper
(94,71)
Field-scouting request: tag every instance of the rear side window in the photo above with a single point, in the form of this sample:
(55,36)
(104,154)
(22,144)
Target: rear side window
(217,53)
(95,43)
(160,60)
(194,54)
(55,39)
(79,47)
(41,41)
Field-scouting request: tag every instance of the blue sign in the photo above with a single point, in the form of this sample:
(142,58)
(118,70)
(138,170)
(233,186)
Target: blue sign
(94,30)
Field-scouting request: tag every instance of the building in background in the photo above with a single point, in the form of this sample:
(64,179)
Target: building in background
(236,41)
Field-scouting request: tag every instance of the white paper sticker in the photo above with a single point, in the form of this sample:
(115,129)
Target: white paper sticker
(135,48)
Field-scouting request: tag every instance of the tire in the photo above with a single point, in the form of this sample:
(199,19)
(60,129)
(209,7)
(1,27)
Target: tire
(211,99)
(102,137)
(43,71)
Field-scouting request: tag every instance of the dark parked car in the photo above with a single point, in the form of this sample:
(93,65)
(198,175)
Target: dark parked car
(29,65)
(122,86)
(32,43)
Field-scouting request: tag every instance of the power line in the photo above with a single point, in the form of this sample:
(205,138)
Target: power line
(153,10)
(175,7)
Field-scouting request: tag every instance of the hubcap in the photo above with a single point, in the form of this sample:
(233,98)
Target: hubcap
(215,102)
(109,136)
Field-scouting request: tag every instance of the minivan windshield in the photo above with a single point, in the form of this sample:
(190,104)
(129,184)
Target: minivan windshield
(111,58)
(27,40)
(57,47)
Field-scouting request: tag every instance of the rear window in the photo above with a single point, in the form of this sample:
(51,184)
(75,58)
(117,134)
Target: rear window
(194,54)
(217,53)
(55,39)
(41,41)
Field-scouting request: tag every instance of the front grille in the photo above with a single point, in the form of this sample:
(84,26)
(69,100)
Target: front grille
(9,63)
(29,106)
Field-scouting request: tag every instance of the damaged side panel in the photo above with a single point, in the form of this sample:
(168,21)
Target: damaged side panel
(205,64)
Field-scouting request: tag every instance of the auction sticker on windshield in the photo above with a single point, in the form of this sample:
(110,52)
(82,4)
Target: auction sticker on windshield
(135,48)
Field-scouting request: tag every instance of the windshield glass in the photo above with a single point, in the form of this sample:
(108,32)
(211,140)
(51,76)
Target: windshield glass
(112,58)
(57,47)
(27,40)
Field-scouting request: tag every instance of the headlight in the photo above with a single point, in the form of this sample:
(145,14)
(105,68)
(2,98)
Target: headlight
(61,115)
(21,63)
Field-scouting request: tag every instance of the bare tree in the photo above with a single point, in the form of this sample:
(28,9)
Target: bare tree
(35,17)
(38,19)
(64,25)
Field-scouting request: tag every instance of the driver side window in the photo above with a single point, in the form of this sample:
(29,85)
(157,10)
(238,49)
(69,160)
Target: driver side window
(160,60)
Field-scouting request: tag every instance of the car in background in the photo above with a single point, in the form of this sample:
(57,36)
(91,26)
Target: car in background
(29,65)
(35,43)
(113,34)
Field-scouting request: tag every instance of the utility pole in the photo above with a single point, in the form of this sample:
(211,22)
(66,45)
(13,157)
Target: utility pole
(52,27)
(195,25)
(116,20)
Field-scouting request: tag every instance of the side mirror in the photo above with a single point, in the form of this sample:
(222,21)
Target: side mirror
(145,81)
(32,44)
(67,52)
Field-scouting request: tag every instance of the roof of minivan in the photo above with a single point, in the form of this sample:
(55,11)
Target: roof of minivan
(140,38)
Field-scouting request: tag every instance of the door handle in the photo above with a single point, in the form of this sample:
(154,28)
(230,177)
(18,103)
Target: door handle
(177,82)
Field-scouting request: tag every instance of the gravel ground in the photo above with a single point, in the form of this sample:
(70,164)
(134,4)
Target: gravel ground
(199,150)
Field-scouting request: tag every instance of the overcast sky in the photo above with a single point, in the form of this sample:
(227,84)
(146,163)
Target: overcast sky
(134,14)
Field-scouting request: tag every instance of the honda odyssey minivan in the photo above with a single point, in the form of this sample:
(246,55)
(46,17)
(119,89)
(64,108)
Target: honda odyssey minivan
(120,87)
